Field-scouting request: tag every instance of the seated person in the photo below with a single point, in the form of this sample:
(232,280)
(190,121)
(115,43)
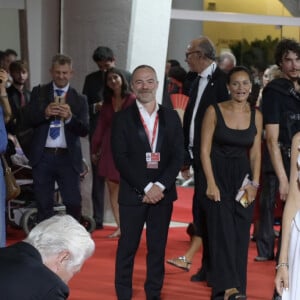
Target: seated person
(40,266)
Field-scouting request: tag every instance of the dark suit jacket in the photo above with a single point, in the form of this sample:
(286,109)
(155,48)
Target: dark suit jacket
(24,276)
(14,97)
(76,128)
(93,88)
(130,145)
(215,91)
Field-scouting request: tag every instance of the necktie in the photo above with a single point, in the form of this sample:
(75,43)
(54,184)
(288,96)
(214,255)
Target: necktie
(55,124)
(22,99)
(59,92)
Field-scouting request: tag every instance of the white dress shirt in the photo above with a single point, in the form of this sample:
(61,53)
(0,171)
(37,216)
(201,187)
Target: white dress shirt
(205,77)
(149,121)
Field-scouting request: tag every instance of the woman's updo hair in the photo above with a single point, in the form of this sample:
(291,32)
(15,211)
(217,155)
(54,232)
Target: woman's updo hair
(239,69)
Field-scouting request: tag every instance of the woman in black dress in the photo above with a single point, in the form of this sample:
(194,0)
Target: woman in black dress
(231,149)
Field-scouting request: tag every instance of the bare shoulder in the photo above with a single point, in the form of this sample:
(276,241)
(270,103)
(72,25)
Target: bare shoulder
(296,140)
(210,110)
(258,115)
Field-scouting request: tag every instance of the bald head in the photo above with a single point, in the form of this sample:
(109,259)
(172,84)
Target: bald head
(205,45)
(200,54)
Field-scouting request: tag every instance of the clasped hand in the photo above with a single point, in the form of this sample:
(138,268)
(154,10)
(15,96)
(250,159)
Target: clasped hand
(154,195)
(95,158)
(58,110)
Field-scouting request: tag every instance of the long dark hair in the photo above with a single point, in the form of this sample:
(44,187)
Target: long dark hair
(108,92)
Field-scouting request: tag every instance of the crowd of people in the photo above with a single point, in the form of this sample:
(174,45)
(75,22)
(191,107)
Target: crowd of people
(224,137)
(277,100)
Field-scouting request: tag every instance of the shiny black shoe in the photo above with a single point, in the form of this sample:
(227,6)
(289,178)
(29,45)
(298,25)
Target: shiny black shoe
(99,226)
(154,298)
(263,258)
(199,276)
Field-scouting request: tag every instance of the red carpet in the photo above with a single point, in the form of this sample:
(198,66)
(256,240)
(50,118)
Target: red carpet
(182,211)
(97,276)
(96,279)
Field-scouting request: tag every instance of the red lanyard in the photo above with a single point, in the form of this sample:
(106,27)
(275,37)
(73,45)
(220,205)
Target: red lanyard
(147,130)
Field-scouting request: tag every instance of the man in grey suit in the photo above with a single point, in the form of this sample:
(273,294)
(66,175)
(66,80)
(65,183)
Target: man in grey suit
(59,116)
(147,145)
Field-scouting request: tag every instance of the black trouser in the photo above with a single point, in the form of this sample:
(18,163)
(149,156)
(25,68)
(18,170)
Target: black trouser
(132,220)
(265,238)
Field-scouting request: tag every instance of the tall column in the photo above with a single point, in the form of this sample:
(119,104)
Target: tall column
(93,23)
(148,38)
(136,30)
(43,37)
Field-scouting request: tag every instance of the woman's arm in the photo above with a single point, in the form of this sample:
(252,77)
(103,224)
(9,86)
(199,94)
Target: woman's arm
(101,127)
(207,132)
(291,207)
(255,158)
(3,96)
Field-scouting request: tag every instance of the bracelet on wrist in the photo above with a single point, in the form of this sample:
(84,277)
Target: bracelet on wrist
(254,184)
(282,265)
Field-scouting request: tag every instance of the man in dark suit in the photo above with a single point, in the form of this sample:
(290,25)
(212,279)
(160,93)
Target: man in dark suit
(59,116)
(209,87)
(18,94)
(147,145)
(93,89)
(40,266)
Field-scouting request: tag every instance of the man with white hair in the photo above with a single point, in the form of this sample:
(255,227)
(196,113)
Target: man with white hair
(226,61)
(40,266)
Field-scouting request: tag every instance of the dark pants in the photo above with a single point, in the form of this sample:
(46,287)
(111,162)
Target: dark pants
(265,238)
(199,215)
(132,219)
(98,185)
(56,168)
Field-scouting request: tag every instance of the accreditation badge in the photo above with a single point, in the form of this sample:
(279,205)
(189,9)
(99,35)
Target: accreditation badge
(152,160)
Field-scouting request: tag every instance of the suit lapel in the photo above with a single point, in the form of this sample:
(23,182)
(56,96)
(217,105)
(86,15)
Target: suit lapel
(191,104)
(161,129)
(140,128)
(207,96)
(70,97)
